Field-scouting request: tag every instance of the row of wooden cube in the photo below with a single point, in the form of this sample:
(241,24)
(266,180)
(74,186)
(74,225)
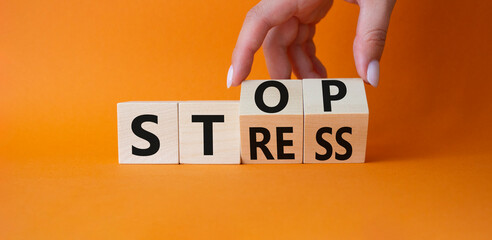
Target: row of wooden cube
(275,121)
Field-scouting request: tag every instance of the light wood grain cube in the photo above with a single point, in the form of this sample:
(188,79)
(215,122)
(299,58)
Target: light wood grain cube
(271,115)
(148,132)
(335,120)
(209,132)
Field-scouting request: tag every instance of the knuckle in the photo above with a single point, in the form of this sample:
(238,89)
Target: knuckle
(255,12)
(375,36)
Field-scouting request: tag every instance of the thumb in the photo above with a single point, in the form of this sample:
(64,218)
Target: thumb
(372,26)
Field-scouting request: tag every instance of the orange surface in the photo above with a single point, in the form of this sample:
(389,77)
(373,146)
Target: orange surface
(65,64)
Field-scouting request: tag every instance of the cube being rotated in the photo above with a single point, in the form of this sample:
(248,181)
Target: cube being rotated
(271,116)
(335,120)
(148,132)
(209,132)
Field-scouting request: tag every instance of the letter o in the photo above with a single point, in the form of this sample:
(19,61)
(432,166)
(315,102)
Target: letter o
(284,96)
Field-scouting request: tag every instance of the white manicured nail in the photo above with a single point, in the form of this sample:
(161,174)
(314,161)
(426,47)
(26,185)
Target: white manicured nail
(373,73)
(229,76)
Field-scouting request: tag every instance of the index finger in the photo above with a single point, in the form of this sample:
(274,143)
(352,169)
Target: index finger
(259,20)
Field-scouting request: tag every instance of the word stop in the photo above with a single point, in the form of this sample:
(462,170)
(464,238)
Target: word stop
(275,121)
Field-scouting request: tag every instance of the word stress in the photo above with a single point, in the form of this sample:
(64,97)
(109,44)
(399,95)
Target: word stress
(275,121)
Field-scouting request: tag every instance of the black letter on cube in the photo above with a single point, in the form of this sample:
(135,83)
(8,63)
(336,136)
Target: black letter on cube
(281,143)
(344,144)
(253,144)
(327,97)
(208,137)
(142,133)
(322,142)
(284,96)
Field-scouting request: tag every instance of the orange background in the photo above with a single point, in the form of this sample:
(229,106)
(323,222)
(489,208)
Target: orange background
(65,64)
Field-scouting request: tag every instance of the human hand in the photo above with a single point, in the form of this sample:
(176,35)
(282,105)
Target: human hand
(286,29)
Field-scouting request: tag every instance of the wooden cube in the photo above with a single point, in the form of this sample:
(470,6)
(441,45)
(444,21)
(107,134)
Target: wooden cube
(148,132)
(209,132)
(335,120)
(271,116)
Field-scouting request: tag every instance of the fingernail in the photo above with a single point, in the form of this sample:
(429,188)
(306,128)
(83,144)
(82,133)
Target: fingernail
(373,73)
(229,76)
